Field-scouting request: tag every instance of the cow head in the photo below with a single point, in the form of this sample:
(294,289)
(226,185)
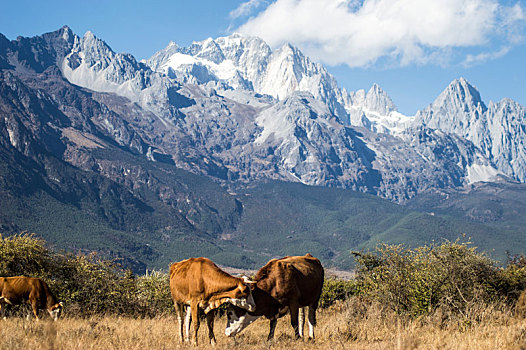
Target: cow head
(237,320)
(55,311)
(243,295)
(240,296)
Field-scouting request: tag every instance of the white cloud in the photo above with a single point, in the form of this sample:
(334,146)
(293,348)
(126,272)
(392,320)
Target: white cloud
(245,9)
(360,33)
(472,59)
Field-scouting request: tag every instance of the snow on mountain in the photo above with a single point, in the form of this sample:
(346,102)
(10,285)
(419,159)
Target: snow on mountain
(232,108)
(312,145)
(498,131)
(376,111)
(315,148)
(480,172)
(93,64)
(238,62)
(232,62)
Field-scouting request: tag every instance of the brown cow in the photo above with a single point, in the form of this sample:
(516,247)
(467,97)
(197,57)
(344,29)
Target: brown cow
(34,291)
(201,284)
(288,284)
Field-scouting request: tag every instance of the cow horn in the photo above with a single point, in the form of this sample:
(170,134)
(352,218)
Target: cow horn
(248,280)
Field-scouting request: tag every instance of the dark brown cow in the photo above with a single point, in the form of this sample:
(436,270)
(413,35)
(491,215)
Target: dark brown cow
(287,284)
(201,284)
(20,289)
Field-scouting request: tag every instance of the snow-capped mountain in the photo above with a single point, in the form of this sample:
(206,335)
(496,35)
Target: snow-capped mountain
(162,163)
(91,63)
(236,110)
(238,62)
(376,111)
(498,130)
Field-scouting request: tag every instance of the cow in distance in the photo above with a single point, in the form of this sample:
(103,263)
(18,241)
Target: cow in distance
(33,291)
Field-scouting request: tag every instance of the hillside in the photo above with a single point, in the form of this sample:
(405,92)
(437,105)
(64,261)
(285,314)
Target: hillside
(500,207)
(150,164)
(288,218)
(276,219)
(81,211)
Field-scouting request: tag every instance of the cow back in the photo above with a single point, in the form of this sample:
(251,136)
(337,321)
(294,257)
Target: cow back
(292,278)
(202,280)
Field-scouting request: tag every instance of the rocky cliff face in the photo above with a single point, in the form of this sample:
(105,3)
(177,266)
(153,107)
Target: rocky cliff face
(237,62)
(498,130)
(234,110)
(78,140)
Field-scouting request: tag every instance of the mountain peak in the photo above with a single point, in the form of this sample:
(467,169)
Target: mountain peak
(89,36)
(67,33)
(461,83)
(461,89)
(98,47)
(289,49)
(375,87)
(237,35)
(377,100)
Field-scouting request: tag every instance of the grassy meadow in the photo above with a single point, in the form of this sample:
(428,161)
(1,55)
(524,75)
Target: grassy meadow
(351,324)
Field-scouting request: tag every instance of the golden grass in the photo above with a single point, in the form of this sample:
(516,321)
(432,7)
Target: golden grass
(347,325)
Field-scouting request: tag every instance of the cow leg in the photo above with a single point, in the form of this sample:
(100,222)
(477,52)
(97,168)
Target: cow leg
(187,322)
(34,300)
(35,310)
(273,323)
(301,321)
(5,304)
(179,310)
(194,307)
(294,310)
(312,321)
(210,323)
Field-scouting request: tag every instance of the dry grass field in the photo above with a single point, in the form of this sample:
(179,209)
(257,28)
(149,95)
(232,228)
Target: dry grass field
(346,325)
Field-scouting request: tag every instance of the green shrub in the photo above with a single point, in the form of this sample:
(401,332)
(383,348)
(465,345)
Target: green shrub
(153,293)
(86,284)
(452,275)
(335,290)
(25,254)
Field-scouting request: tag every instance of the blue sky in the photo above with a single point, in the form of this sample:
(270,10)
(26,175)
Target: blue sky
(412,48)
